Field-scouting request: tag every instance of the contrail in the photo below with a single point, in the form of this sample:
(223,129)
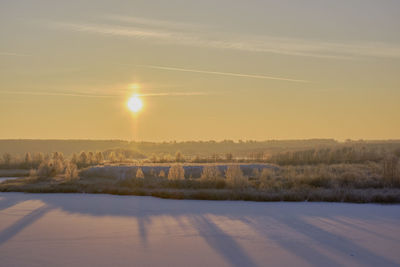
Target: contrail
(226,73)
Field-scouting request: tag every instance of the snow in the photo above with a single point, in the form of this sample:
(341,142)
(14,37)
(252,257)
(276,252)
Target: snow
(105,230)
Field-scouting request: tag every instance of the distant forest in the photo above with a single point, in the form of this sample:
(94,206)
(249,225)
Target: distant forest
(249,148)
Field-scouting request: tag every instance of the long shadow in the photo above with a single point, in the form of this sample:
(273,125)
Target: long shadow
(7,202)
(337,243)
(221,242)
(365,229)
(297,247)
(25,221)
(285,214)
(142,227)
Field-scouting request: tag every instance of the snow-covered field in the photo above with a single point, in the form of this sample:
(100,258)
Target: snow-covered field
(105,230)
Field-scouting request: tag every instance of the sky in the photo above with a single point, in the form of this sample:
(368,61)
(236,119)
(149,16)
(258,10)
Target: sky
(226,69)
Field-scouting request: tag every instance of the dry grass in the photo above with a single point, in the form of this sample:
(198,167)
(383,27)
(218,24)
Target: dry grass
(13,173)
(107,186)
(360,183)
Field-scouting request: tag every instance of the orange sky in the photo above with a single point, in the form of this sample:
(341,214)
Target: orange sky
(204,69)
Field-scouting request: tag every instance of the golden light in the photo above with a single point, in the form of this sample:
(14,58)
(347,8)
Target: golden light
(135,104)
(135,86)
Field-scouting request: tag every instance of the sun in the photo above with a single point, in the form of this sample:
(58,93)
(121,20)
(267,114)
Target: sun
(135,104)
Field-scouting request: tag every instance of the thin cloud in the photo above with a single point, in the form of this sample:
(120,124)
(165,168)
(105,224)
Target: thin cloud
(66,94)
(55,94)
(178,35)
(153,22)
(115,30)
(177,94)
(226,73)
(13,54)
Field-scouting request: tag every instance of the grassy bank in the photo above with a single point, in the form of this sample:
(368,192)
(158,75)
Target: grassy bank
(201,190)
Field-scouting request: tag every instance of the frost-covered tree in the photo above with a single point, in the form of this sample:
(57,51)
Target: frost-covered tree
(38,158)
(83,159)
(99,157)
(74,158)
(139,173)
(391,169)
(235,178)
(161,174)
(179,157)
(28,160)
(112,157)
(58,156)
(266,176)
(50,168)
(210,173)
(176,172)
(153,158)
(121,157)
(55,155)
(7,159)
(71,171)
(91,158)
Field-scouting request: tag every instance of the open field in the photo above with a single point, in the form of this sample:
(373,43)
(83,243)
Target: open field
(104,230)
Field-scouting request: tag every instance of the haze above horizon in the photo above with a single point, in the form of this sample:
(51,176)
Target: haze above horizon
(200,70)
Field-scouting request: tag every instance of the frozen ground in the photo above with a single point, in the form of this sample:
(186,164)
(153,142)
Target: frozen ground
(105,230)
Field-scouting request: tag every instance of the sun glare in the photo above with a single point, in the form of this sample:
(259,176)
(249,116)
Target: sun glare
(135,104)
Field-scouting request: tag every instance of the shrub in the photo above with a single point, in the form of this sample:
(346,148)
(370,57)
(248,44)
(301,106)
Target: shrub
(176,172)
(235,178)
